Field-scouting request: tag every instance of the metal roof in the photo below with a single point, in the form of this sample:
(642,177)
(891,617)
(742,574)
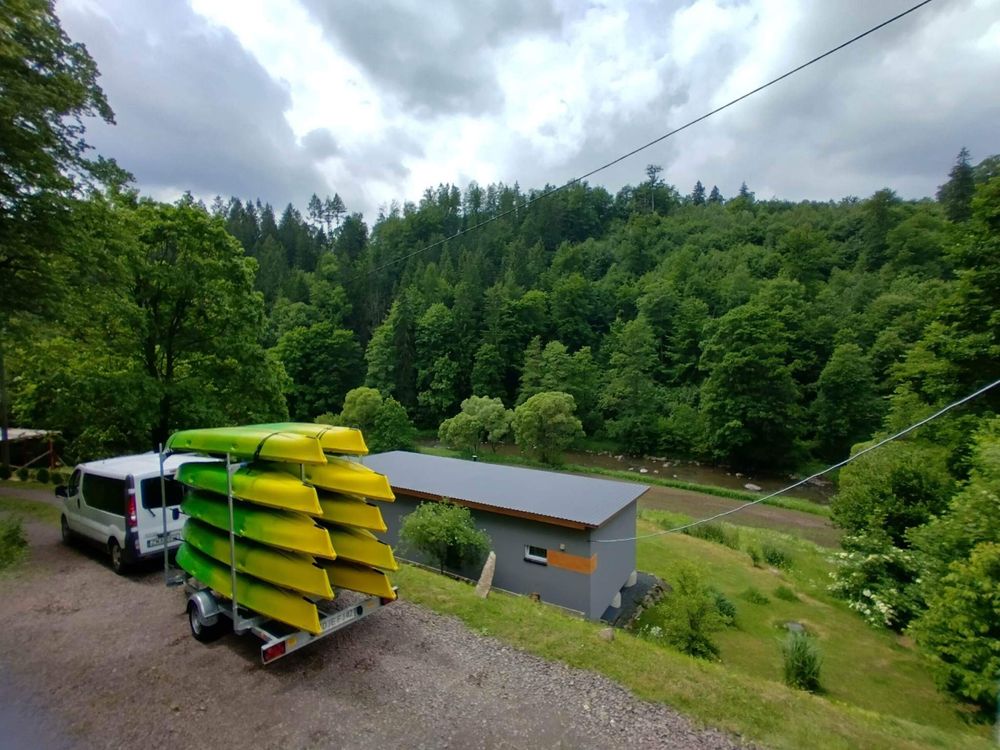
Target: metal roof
(567,497)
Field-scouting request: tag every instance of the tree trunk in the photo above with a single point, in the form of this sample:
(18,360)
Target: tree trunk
(4,412)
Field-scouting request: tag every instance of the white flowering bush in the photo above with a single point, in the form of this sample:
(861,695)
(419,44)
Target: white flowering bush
(878,580)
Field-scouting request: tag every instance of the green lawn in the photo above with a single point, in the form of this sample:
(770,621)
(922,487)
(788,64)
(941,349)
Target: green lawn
(878,693)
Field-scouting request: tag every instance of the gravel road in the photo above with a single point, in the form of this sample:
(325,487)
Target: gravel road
(91,659)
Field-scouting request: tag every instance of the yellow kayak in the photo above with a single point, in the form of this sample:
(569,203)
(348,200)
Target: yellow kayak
(350,510)
(252,593)
(360,546)
(276,489)
(347,575)
(295,532)
(250,443)
(340,475)
(292,570)
(332,439)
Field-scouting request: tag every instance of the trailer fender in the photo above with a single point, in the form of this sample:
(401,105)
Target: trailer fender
(207,606)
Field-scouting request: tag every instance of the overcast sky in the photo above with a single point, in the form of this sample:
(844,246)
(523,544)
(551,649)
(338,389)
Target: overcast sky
(279,99)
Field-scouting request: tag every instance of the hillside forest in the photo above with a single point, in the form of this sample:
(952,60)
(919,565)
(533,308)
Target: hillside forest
(754,333)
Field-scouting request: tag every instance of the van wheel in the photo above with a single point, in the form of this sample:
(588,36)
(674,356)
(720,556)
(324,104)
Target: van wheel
(65,531)
(118,563)
(202,631)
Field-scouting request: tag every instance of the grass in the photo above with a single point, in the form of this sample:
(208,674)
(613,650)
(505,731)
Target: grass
(36,509)
(13,543)
(892,703)
(788,503)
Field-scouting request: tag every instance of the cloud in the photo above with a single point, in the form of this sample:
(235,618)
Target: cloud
(434,58)
(195,111)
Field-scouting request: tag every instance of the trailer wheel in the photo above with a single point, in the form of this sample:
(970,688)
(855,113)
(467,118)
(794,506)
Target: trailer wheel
(202,631)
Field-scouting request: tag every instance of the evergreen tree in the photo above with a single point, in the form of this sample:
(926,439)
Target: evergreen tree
(698,194)
(956,194)
(715,196)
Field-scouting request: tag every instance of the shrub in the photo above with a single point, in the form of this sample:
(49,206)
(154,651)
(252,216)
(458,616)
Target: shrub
(717,533)
(783,592)
(23,474)
(12,541)
(57,477)
(446,534)
(754,556)
(801,662)
(725,607)
(42,475)
(4,472)
(686,618)
(878,580)
(755,596)
(775,556)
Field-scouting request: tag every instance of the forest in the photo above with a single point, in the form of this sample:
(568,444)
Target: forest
(761,334)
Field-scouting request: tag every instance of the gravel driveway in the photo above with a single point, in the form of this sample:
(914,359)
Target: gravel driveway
(91,659)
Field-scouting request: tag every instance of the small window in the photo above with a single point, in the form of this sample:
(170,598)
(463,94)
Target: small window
(537,555)
(104,493)
(151,498)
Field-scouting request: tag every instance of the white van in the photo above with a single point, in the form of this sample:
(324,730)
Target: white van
(116,503)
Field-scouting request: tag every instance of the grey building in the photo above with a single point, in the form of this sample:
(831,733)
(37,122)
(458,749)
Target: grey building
(544,525)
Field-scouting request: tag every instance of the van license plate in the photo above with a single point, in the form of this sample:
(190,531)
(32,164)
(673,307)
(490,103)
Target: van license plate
(157,541)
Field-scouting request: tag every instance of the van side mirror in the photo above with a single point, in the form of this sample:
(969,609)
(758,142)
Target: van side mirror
(61,491)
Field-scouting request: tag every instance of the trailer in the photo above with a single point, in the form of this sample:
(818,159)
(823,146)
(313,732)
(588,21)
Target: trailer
(211,616)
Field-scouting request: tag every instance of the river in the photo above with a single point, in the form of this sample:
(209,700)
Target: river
(696,472)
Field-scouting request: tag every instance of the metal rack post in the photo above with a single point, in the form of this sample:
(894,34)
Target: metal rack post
(232,538)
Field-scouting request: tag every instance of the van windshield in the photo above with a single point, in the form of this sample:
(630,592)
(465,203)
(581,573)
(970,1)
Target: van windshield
(151,499)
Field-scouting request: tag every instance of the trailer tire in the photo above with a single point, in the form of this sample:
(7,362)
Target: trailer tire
(204,632)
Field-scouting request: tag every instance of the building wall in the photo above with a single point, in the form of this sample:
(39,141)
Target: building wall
(615,561)
(560,582)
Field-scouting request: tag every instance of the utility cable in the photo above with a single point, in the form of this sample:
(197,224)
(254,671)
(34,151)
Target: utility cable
(828,469)
(633,152)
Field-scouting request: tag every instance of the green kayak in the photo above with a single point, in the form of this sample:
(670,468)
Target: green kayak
(348,575)
(277,489)
(350,510)
(288,530)
(252,593)
(360,546)
(292,570)
(250,443)
(340,475)
(333,439)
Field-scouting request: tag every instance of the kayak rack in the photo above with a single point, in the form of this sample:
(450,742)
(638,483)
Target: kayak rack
(211,615)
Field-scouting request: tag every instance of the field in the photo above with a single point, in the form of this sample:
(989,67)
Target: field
(877,691)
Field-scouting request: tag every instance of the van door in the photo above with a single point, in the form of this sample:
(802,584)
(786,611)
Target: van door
(103,507)
(151,514)
(74,505)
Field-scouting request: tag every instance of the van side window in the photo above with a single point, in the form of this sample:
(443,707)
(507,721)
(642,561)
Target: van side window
(151,499)
(104,493)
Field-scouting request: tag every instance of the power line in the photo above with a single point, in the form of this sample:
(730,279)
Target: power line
(633,152)
(827,470)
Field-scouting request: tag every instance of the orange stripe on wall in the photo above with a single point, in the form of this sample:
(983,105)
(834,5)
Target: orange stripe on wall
(576,563)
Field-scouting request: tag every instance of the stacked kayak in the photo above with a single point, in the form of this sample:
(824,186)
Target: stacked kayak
(301,518)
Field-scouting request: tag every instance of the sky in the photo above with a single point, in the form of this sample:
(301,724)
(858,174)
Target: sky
(377,101)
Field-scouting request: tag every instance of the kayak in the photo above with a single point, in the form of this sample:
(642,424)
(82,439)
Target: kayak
(292,570)
(347,575)
(340,475)
(332,439)
(259,596)
(360,546)
(251,443)
(276,489)
(350,510)
(288,530)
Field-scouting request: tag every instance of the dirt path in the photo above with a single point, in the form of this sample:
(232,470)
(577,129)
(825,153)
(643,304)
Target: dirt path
(806,525)
(91,659)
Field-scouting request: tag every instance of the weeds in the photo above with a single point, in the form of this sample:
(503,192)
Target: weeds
(801,662)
